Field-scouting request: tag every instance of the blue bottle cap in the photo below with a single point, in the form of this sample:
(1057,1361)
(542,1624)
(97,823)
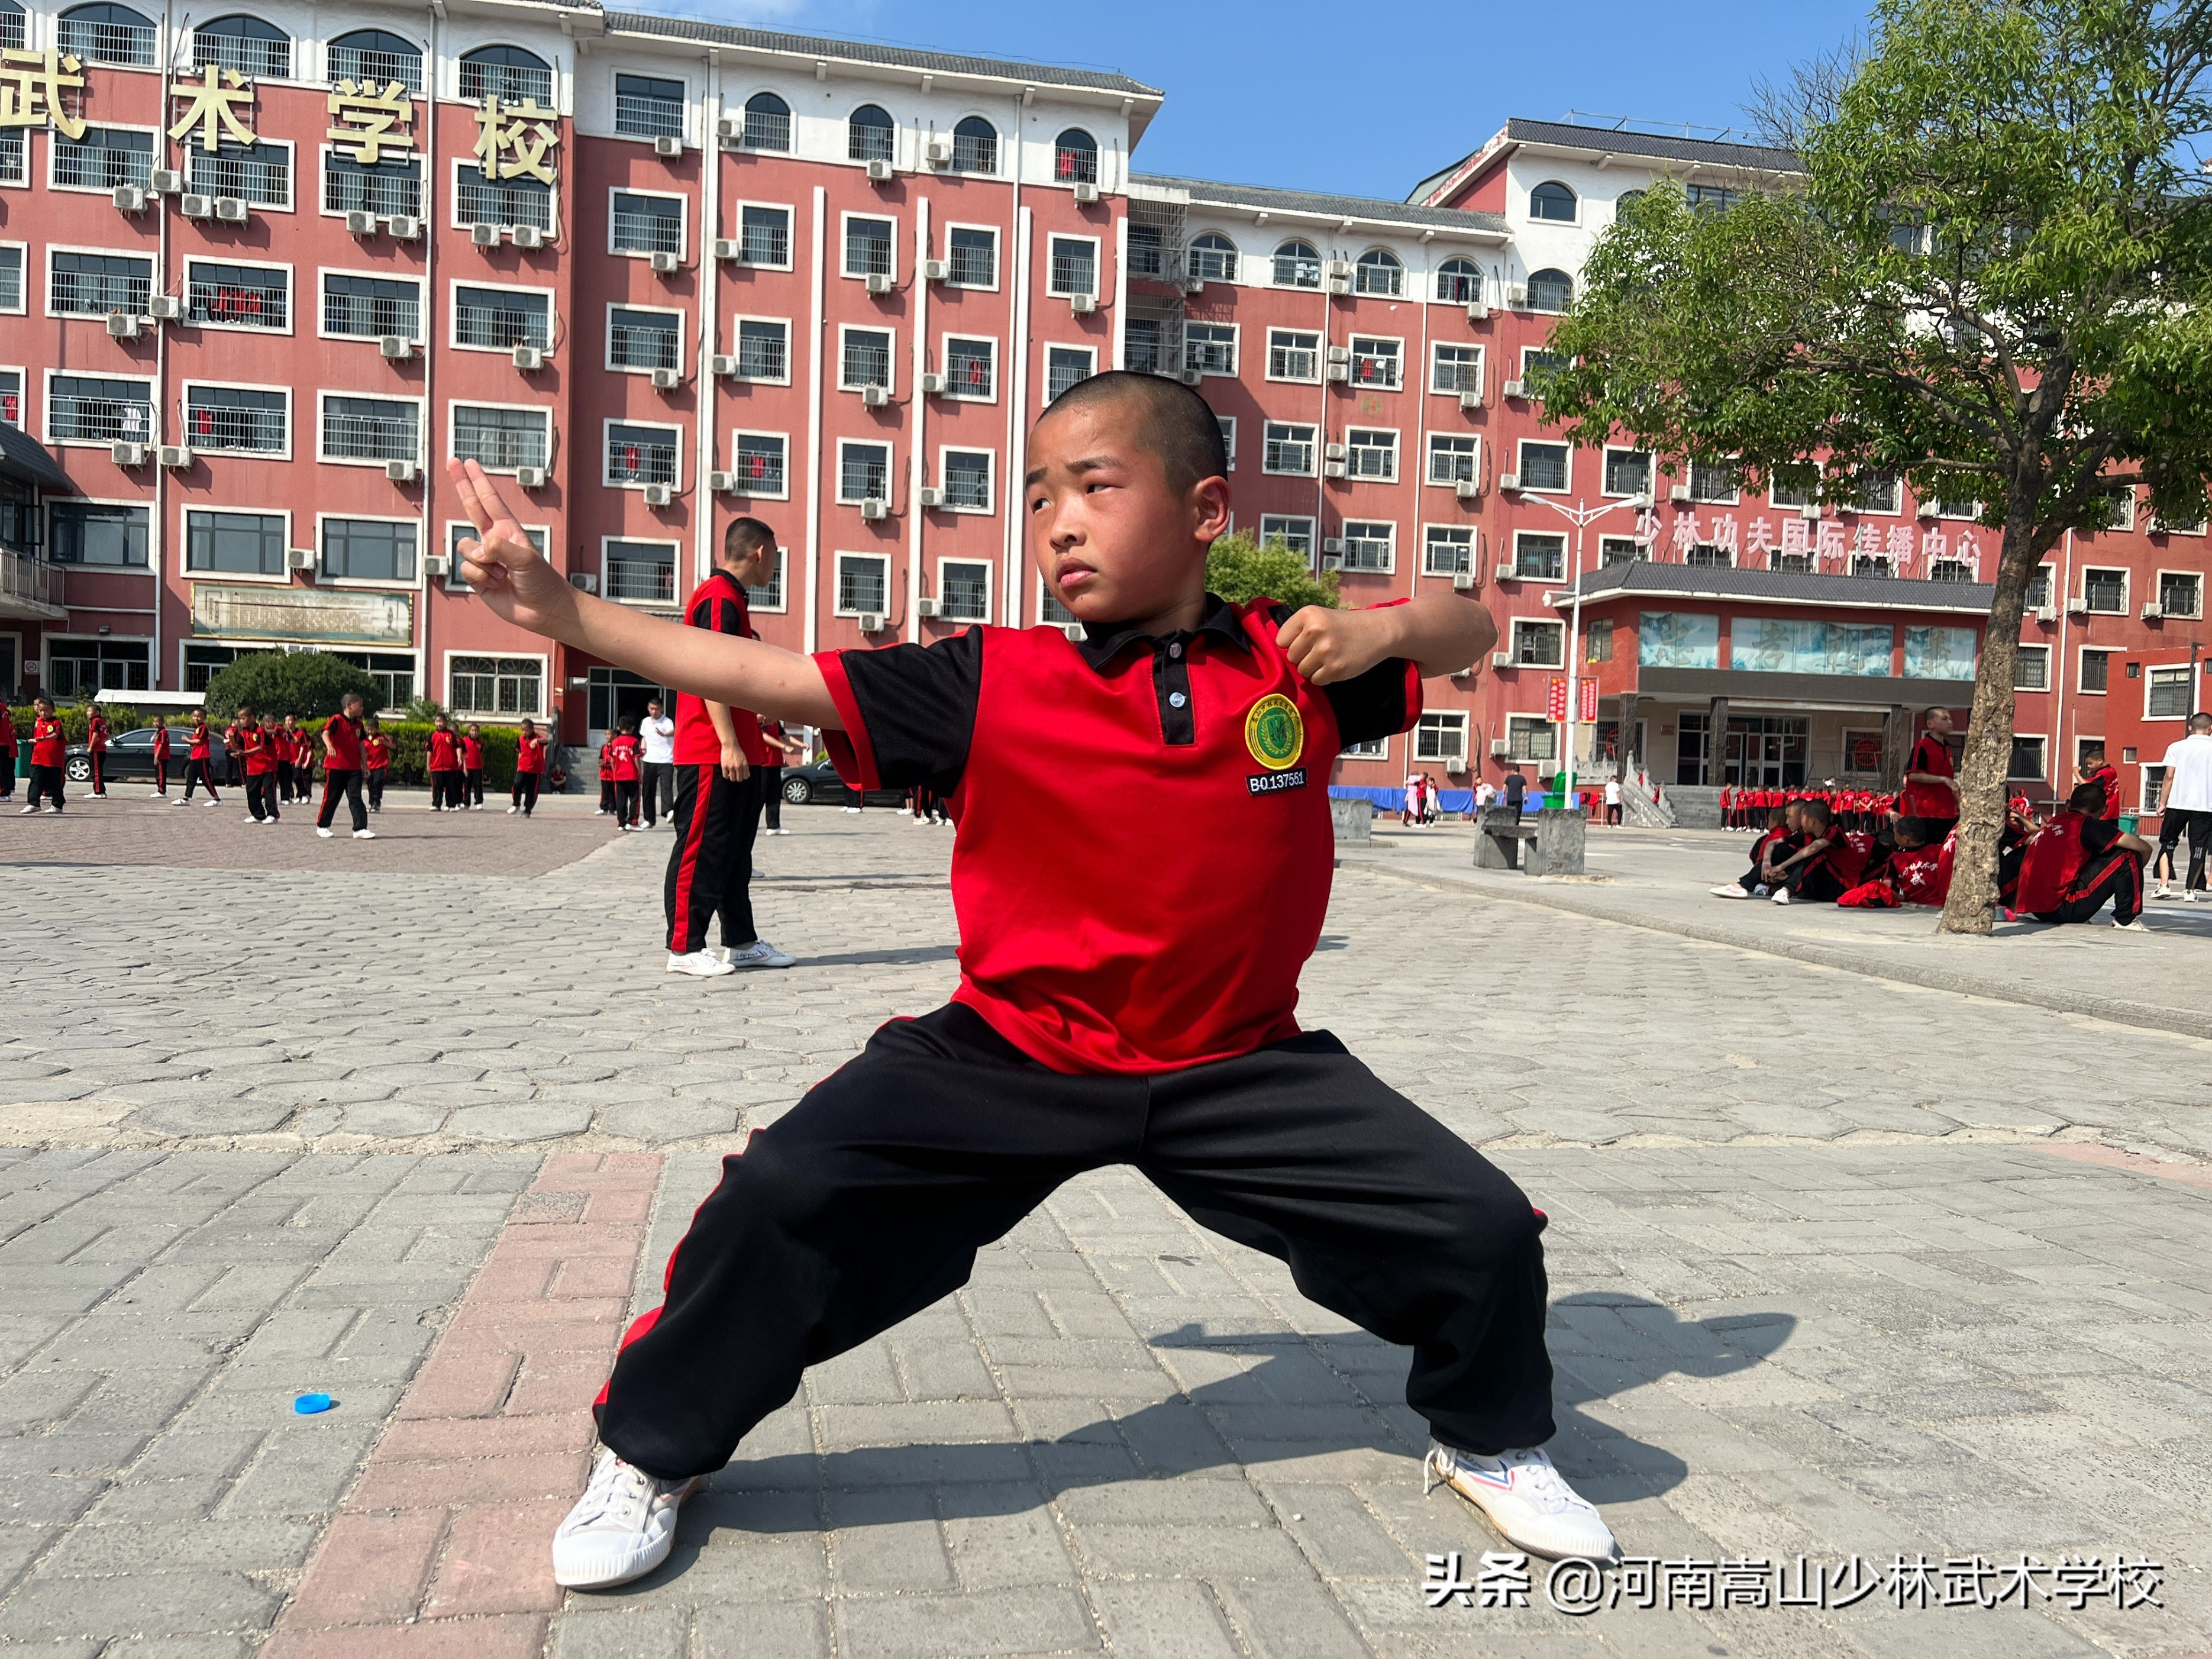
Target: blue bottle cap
(308,1404)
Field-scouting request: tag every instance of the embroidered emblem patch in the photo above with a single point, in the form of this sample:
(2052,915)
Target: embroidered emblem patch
(1275,732)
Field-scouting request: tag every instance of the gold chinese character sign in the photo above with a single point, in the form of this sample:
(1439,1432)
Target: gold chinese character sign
(31,87)
(369,119)
(516,142)
(214,106)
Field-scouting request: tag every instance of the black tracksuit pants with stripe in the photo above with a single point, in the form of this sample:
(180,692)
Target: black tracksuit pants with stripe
(710,868)
(867,1201)
(2115,874)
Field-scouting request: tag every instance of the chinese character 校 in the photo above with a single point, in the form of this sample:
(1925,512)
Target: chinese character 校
(214,104)
(365,120)
(31,87)
(514,142)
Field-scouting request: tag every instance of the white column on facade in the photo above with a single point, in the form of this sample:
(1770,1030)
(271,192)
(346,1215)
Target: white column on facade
(428,682)
(917,469)
(1018,392)
(1121,357)
(1011,377)
(710,282)
(1417,382)
(157,540)
(814,462)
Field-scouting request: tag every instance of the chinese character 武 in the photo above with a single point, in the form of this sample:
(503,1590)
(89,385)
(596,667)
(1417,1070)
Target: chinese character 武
(369,119)
(213,107)
(1967,1581)
(31,87)
(1444,1582)
(513,143)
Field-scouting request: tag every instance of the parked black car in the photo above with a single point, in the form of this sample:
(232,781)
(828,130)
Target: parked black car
(131,756)
(818,784)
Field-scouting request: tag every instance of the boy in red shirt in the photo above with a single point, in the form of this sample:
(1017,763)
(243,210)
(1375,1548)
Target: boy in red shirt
(279,740)
(446,775)
(198,750)
(622,752)
(607,777)
(48,753)
(160,757)
(1932,792)
(473,767)
(259,756)
(341,766)
(375,761)
(8,750)
(1822,870)
(1778,840)
(1118,1002)
(2080,859)
(529,769)
(2093,768)
(95,744)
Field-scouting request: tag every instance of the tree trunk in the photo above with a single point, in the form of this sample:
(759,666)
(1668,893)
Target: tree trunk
(1973,904)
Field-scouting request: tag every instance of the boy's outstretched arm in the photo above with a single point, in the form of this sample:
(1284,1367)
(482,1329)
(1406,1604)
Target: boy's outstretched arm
(520,586)
(1440,636)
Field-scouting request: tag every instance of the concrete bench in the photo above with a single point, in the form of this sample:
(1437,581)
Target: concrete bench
(1555,837)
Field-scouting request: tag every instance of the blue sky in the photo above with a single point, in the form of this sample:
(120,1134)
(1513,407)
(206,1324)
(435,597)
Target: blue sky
(1343,97)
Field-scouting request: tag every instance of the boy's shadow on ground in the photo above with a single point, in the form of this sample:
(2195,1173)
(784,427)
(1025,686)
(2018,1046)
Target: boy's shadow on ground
(1289,1405)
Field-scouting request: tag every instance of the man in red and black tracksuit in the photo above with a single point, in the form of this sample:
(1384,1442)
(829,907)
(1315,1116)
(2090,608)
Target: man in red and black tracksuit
(720,754)
(1932,789)
(341,766)
(96,745)
(2093,768)
(161,756)
(49,752)
(259,755)
(2080,860)
(197,752)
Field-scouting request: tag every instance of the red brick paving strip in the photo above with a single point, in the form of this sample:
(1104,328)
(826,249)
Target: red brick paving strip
(2089,1151)
(443,1545)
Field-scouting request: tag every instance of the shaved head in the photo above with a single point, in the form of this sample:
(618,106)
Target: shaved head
(1173,421)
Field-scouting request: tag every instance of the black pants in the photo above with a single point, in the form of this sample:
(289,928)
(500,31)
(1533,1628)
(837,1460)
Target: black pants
(1816,882)
(474,785)
(339,784)
(261,795)
(374,778)
(284,791)
(7,771)
(2115,874)
(446,791)
(625,800)
(2172,825)
(196,772)
(867,1202)
(1612,813)
(715,822)
(46,781)
(525,792)
(771,783)
(659,794)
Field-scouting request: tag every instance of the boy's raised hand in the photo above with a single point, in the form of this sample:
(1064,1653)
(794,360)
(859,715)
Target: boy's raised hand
(510,574)
(1325,646)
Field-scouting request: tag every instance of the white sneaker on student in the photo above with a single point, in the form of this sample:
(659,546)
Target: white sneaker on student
(1728,889)
(324,834)
(759,954)
(1780,895)
(22,810)
(180,801)
(703,964)
(511,810)
(364,835)
(2188,895)
(1521,1494)
(622,1527)
(2162,891)
(2135,927)
(212,802)
(852,809)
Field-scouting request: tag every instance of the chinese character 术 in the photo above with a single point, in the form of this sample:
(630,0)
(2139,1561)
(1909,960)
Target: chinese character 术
(371,119)
(31,87)
(214,107)
(514,143)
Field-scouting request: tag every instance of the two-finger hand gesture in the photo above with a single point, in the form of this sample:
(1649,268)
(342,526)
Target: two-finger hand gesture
(501,564)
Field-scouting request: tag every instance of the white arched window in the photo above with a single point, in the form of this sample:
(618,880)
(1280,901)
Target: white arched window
(510,74)
(1551,201)
(375,55)
(869,134)
(246,44)
(1297,264)
(1551,290)
(1075,158)
(768,123)
(1379,271)
(1459,281)
(1212,258)
(974,146)
(106,34)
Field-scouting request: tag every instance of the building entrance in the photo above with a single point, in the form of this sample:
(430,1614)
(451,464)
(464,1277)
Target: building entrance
(1763,751)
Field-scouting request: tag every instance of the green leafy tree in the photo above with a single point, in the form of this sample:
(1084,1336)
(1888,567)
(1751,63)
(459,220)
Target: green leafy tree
(1993,277)
(1239,567)
(308,684)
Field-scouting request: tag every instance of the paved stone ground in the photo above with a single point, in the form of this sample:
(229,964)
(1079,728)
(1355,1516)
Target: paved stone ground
(1839,1265)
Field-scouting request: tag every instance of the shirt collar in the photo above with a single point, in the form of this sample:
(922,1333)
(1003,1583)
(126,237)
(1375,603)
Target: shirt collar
(1102,641)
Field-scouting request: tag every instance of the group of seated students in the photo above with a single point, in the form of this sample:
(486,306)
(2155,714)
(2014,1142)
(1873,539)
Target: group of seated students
(1859,812)
(2065,869)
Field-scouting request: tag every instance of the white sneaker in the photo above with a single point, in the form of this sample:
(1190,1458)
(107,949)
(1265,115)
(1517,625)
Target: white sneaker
(759,954)
(213,803)
(2135,927)
(2188,895)
(155,794)
(2163,892)
(852,809)
(621,1529)
(324,834)
(22,810)
(703,964)
(1728,889)
(1780,895)
(364,835)
(1525,1498)
(180,801)
(511,810)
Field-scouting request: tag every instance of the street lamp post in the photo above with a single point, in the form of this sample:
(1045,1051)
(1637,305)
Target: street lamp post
(1581,516)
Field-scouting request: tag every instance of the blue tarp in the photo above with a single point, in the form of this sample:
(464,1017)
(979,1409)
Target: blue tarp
(1448,800)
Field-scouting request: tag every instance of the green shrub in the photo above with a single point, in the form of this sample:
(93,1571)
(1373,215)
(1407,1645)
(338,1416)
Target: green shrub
(308,684)
(410,752)
(1238,569)
(74,717)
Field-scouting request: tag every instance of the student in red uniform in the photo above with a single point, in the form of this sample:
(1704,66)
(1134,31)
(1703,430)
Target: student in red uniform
(95,744)
(8,750)
(1823,869)
(1778,841)
(1931,790)
(375,761)
(280,754)
(48,754)
(160,757)
(2080,860)
(233,764)
(342,770)
(1118,1002)
(199,744)
(607,777)
(258,756)
(622,752)
(447,779)
(1727,808)
(2093,768)
(529,769)
(473,767)
(306,750)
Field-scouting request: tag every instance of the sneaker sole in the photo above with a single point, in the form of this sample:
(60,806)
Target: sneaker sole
(600,1577)
(1534,1546)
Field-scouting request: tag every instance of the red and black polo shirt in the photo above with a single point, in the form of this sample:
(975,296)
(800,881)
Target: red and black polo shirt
(344,747)
(718,602)
(1144,848)
(1931,755)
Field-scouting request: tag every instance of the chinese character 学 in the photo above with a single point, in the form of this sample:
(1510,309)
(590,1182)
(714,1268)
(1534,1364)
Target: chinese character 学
(514,143)
(213,106)
(368,119)
(31,87)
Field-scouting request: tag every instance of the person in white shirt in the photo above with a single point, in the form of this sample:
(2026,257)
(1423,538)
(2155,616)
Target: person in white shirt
(1612,801)
(2187,805)
(658,734)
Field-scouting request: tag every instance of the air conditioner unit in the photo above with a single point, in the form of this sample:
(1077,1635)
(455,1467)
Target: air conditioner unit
(1501,659)
(663,379)
(402,472)
(484,235)
(663,262)
(1463,580)
(1924,509)
(668,143)
(1470,397)
(165,308)
(1193,376)
(526,236)
(879,282)
(165,181)
(1332,561)
(404,228)
(1332,543)
(122,326)
(1478,310)
(583,581)
(1082,304)
(875,397)
(299,558)
(1337,284)
(722,366)
(933,383)
(1193,284)
(231,209)
(194,205)
(730,128)
(659,494)
(529,358)
(722,484)
(360,224)
(1810,510)
(175,458)
(1334,452)
(871,622)
(1517,298)
(2045,613)
(438,565)
(937,152)
(875,507)
(1086,191)
(2077,605)
(1678,492)
(925,607)
(1514,389)
(1501,745)
(1338,267)
(396,347)
(727,248)
(530,478)
(1339,354)
(1466,488)
(879,171)
(1338,371)
(1504,574)
(129,199)
(1509,481)
(2152,612)
(935,271)
(1332,469)
(127,454)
